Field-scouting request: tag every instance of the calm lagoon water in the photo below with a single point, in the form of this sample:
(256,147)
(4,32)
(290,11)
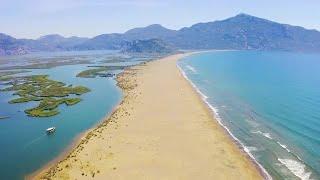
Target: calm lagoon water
(270,101)
(24,145)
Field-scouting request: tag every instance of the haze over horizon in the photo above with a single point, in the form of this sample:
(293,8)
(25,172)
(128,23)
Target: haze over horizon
(35,18)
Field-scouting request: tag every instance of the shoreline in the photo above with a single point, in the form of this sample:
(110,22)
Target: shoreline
(75,143)
(80,137)
(216,117)
(51,169)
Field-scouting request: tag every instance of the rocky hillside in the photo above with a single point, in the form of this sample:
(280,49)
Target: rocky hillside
(151,46)
(247,32)
(11,46)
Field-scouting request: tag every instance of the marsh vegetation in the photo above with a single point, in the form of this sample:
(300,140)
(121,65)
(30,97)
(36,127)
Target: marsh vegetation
(98,70)
(48,92)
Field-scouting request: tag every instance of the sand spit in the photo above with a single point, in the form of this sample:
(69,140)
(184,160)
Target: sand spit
(161,130)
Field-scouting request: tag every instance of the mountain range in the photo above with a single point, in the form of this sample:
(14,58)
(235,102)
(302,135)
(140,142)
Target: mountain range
(148,46)
(241,32)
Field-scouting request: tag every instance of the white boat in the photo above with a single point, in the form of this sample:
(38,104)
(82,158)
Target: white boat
(51,130)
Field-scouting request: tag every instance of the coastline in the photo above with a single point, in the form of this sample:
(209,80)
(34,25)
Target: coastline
(75,143)
(66,168)
(217,118)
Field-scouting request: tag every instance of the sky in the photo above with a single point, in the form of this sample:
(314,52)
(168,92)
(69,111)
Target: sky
(89,18)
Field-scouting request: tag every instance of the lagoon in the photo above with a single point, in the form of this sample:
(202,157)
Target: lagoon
(25,146)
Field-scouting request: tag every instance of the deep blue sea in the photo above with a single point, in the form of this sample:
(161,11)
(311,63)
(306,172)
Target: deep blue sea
(270,103)
(24,144)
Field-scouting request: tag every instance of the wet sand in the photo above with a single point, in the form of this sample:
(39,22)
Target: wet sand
(161,130)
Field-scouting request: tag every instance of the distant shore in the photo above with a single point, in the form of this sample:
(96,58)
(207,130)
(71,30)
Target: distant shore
(161,130)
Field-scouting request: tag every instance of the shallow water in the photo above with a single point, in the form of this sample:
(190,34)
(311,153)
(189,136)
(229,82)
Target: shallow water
(270,102)
(24,145)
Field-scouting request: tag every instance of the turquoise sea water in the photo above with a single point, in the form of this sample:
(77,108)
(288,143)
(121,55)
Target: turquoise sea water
(24,145)
(269,101)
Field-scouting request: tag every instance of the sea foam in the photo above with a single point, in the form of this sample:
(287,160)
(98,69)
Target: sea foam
(191,69)
(267,135)
(283,146)
(297,168)
(219,120)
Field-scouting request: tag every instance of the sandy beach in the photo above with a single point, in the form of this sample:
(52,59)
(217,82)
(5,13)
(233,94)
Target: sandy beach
(161,130)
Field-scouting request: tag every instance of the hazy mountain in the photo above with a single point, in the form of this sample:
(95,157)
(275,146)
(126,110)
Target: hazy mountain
(153,31)
(116,41)
(240,32)
(151,46)
(58,42)
(247,32)
(11,46)
(52,38)
(104,41)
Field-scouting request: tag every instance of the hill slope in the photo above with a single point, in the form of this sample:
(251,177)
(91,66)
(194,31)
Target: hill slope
(155,31)
(151,46)
(247,32)
(56,41)
(242,32)
(11,46)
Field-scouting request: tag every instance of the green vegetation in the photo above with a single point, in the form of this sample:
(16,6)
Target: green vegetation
(48,106)
(92,73)
(7,75)
(50,93)
(47,63)
(5,78)
(24,99)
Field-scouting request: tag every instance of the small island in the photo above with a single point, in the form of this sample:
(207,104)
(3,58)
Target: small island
(91,73)
(101,71)
(49,93)
(6,75)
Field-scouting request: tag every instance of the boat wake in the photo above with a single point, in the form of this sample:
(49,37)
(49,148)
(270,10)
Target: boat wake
(34,141)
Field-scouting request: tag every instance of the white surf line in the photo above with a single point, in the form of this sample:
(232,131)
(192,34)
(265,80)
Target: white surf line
(217,117)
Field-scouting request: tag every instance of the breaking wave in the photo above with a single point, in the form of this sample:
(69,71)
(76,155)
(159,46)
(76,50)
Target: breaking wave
(219,120)
(297,168)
